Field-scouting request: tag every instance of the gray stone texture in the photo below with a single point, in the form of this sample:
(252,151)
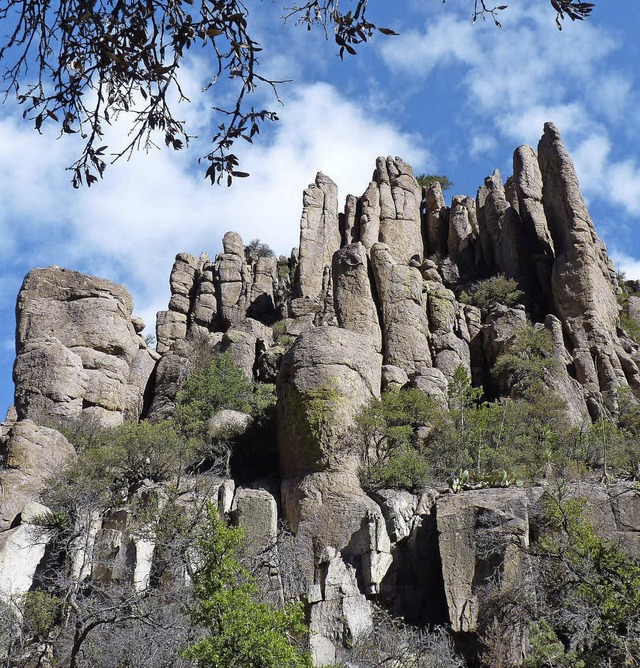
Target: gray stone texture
(353,302)
(583,279)
(405,329)
(319,236)
(78,349)
(326,377)
(31,455)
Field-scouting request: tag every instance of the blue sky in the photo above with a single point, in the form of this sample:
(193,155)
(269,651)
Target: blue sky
(447,96)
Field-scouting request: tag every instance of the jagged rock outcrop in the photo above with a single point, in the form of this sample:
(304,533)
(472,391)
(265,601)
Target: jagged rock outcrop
(436,218)
(78,350)
(215,307)
(449,332)
(502,233)
(583,281)
(482,536)
(356,310)
(256,511)
(232,280)
(325,378)
(528,185)
(319,237)
(400,197)
(338,612)
(21,551)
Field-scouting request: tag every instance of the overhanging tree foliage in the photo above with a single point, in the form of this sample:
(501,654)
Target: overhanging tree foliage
(80,64)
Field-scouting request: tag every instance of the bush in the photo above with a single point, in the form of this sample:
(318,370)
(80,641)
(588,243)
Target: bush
(256,249)
(389,433)
(218,385)
(280,335)
(403,468)
(393,643)
(588,594)
(40,612)
(425,180)
(495,290)
(239,630)
(631,326)
(111,465)
(527,358)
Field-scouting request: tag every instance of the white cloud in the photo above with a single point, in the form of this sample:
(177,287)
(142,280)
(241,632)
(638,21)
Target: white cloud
(629,266)
(613,95)
(605,176)
(130,226)
(525,125)
(522,65)
(447,40)
(514,80)
(481,144)
(624,182)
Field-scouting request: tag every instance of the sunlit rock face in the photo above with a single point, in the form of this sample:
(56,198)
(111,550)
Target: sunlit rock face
(78,349)
(374,298)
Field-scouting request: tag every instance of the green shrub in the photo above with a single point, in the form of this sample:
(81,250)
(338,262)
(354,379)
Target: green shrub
(588,594)
(527,358)
(403,468)
(239,630)
(220,384)
(111,465)
(284,272)
(256,249)
(495,290)
(631,326)
(425,180)
(40,611)
(389,433)
(280,335)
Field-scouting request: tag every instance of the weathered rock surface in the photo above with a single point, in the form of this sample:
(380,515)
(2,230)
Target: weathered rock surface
(436,214)
(326,377)
(481,534)
(21,551)
(256,511)
(30,455)
(405,328)
(504,228)
(338,611)
(319,237)
(528,186)
(227,423)
(583,279)
(400,198)
(354,305)
(78,349)
(369,313)
(345,276)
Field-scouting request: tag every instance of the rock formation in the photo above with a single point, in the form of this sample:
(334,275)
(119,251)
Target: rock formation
(373,298)
(78,349)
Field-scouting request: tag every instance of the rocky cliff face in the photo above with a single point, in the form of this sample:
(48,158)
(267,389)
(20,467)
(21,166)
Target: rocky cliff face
(373,298)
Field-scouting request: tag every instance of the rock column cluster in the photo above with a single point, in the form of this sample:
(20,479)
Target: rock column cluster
(373,297)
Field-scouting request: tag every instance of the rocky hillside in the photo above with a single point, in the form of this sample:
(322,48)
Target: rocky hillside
(383,294)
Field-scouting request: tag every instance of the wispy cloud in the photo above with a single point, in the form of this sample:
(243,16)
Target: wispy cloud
(629,266)
(130,226)
(515,79)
